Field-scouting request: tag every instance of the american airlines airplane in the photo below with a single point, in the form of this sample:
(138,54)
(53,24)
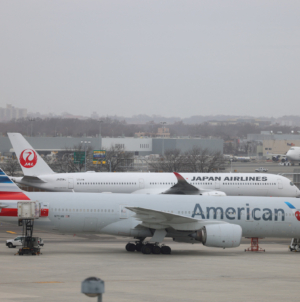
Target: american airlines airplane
(39,175)
(214,222)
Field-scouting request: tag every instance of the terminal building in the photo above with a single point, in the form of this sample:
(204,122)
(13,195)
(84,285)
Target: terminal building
(140,146)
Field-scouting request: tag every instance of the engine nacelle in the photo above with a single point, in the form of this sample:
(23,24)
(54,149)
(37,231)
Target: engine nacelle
(219,235)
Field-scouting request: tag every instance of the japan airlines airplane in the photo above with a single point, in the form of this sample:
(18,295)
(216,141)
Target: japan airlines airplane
(39,175)
(214,222)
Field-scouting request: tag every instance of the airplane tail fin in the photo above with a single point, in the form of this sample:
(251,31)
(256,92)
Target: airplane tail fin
(31,163)
(9,190)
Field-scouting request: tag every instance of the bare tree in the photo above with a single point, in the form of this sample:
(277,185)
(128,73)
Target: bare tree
(172,161)
(64,163)
(11,166)
(117,159)
(195,160)
(203,160)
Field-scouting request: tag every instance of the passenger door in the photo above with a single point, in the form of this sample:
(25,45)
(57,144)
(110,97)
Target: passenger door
(280,185)
(142,184)
(17,241)
(70,183)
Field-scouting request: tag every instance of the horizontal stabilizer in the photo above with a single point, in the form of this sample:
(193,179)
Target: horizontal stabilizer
(34,179)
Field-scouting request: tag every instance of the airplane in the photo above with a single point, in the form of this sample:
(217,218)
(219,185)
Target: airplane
(39,175)
(242,158)
(293,155)
(212,221)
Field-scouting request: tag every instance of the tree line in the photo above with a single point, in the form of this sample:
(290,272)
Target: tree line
(113,128)
(119,160)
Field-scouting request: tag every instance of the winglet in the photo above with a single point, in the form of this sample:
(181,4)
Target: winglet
(179,177)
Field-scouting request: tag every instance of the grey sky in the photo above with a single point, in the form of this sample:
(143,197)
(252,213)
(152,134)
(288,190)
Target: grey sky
(173,58)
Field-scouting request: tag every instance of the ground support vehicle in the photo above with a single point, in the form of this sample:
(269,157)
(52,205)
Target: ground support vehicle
(295,245)
(30,245)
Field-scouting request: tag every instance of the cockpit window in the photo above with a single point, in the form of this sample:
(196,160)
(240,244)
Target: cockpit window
(292,149)
(291,184)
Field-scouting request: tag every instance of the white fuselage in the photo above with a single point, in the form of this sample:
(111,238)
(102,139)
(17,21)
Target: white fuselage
(233,184)
(104,213)
(293,155)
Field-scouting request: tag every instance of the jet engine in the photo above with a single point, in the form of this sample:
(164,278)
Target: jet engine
(219,235)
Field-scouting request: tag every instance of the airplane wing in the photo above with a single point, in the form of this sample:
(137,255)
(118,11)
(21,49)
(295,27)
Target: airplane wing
(182,187)
(161,220)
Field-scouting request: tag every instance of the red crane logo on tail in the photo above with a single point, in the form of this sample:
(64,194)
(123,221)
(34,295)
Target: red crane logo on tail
(28,158)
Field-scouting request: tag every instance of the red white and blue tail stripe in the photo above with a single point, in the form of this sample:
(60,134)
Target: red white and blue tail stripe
(9,190)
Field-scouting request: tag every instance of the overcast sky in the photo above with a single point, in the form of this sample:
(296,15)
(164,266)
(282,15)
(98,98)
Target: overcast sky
(171,58)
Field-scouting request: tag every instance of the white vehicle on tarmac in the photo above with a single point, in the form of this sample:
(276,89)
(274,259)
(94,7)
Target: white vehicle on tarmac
(261,169)
(18,241)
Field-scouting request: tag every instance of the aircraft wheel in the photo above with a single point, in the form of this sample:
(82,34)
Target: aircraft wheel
(130,247)
(166,250)
(146,249)
(138,247)
(156,250)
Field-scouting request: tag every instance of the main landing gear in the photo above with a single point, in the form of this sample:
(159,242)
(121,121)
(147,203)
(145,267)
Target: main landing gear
(148,248)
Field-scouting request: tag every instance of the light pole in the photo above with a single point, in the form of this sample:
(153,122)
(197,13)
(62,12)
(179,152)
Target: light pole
(100,137)
(31,119)
(85,143)
(163,144)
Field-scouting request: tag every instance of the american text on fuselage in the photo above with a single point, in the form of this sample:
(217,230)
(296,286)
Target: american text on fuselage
(230,213)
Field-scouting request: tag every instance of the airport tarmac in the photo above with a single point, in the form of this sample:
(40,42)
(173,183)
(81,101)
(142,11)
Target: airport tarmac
(190,273)
(249,167)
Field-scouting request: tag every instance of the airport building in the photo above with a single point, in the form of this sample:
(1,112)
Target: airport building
(10,112)
(140,146)
(274,143)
